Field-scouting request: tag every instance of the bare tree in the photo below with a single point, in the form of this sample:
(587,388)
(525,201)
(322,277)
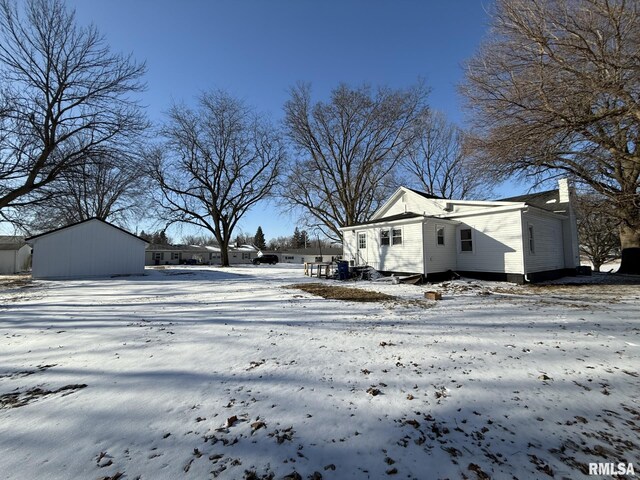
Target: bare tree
(64,97)
(107,187)
(348,150)
(554,90)
(597,229)
(219,161)
(437,162)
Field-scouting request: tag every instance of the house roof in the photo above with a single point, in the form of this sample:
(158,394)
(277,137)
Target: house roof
(11,242)
(391,218)
(307,251)
(81,222)
(547,200)
(424,194)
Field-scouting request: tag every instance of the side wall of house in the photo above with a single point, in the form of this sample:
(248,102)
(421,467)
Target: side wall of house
(497,243)
(85,250)
(406,257)
(439,258)
(548,246)
(23,263)
(7,262)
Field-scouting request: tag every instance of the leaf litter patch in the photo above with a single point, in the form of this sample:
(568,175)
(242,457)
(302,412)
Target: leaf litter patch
(332,292)
(22,398)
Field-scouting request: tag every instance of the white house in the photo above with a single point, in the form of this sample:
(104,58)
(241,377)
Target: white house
(309,254)
(527,238)
(90,248)
(200,254)
(15,255)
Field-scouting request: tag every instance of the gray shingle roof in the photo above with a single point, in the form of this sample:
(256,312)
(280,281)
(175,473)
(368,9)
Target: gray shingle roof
(547,200)
(391,218)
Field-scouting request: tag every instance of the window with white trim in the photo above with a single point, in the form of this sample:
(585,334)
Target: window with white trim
(158,256)
(385,240)
(175,256)
(246,256)
(439,235)
(396,236)
(466,240)
(362,240)
(532,246)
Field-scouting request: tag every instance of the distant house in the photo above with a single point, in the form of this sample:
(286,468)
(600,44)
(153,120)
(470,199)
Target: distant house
(199,254)
(309,254)
(90,248)
(526,238)
(15,255)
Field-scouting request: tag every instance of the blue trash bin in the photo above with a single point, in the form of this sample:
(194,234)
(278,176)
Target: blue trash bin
(343,270)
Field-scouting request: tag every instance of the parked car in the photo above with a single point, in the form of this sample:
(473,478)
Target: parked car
(270,259)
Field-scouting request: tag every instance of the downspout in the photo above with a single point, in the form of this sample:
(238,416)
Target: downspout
(524,237)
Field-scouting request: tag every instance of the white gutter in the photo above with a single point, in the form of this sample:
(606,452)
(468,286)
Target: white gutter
(486,211)
(400,221)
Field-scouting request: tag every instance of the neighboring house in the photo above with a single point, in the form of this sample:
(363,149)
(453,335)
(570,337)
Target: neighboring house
(91,248)
(206,255)
(15,255)
(526,238)
(310,254)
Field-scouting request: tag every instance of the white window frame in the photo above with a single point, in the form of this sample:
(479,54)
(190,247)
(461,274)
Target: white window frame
(246,256)
(438,228)
(387,238)
(175,255)
(362,245)
(394,236)
(471,240)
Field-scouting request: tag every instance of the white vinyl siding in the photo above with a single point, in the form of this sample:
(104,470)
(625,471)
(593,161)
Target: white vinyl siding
(14,261)
(439,258)
(497,243)
(411,202)
(401,257)
(548,246)
(88,249)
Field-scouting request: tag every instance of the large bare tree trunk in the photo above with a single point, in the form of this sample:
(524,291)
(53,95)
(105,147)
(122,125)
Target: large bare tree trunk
(224,253)
(630,240)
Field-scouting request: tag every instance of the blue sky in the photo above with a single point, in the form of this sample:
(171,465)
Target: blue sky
(258,49)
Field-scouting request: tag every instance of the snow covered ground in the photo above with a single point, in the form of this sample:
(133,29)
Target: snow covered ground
(201,372)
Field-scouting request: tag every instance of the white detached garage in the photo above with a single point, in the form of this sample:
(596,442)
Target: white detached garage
(91,248)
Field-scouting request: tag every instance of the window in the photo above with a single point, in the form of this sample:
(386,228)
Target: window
(466,241)
(158,256)
(439,235)
(531,243)
(318,259)
(384,237)
(286,257)
(246,256)
(175,256)
(362,240)
(396,236)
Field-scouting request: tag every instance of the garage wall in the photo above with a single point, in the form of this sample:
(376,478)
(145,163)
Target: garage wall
(88,249)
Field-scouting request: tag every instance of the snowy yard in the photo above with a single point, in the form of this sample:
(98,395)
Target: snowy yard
(204,372)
